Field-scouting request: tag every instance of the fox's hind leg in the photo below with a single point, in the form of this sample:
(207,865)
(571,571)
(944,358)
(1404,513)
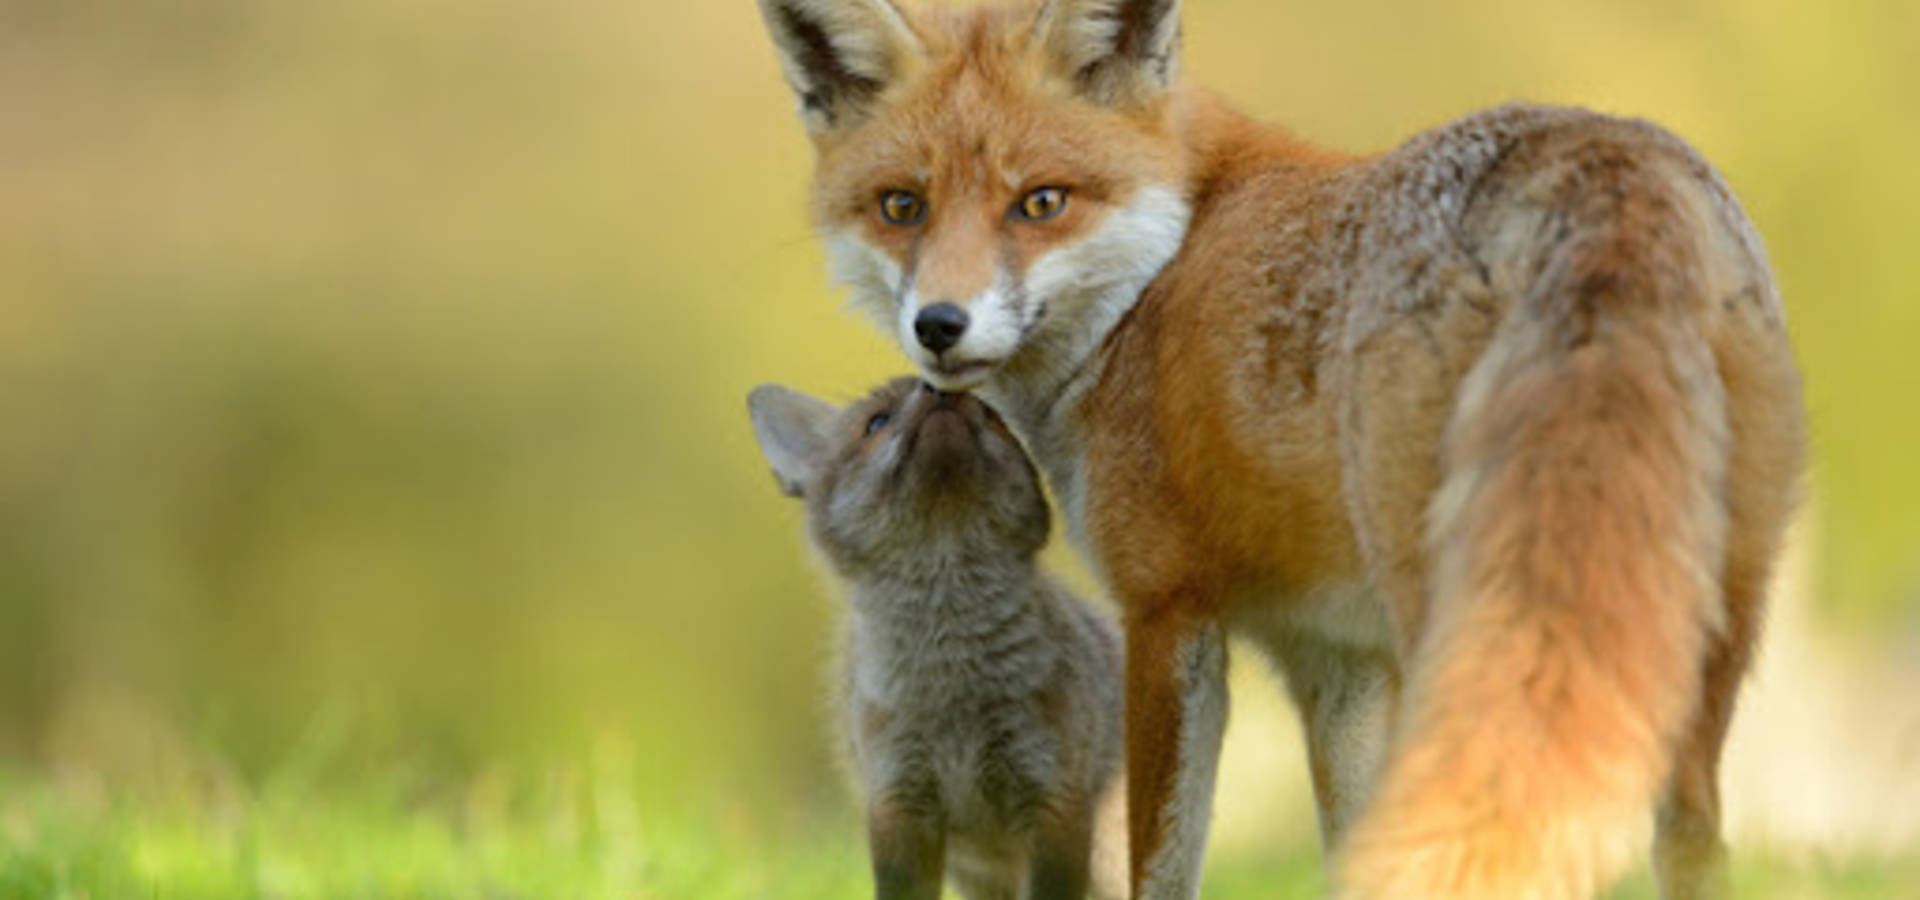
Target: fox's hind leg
(1763,405)
(1399,393)
(1688,855)
(1344,695)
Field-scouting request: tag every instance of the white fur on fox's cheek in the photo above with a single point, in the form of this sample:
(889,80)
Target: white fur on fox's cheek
(995,323)
(1129,248)
(1077,293)
(871,275)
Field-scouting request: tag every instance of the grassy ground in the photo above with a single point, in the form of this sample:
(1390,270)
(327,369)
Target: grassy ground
(73,842)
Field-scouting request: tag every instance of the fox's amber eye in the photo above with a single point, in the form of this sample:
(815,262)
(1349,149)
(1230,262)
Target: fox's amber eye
(878,422)
(902,208)
(1041,204)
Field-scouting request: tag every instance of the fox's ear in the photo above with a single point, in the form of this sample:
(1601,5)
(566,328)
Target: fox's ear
(1120,52)
(838,55)
(793,430)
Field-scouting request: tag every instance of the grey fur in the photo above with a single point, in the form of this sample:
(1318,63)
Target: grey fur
(981,698)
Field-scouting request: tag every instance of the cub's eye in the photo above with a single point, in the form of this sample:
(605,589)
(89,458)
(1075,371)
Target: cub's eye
(878,422)
(902,208)
(1041,204)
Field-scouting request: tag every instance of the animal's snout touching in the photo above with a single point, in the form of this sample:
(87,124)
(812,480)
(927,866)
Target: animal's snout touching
(940,326)
(936,410)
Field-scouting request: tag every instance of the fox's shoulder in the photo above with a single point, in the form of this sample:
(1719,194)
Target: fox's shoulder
(1348,241)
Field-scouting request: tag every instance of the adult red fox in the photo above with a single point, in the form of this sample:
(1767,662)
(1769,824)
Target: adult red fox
(1489,439)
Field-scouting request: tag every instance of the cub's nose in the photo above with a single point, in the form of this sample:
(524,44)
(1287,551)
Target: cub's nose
(940,326)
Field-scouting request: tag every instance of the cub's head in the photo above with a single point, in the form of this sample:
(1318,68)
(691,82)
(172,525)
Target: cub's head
(904,483)
(995,184)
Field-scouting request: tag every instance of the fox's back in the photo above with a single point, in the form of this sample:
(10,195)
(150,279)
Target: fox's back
(1314,334)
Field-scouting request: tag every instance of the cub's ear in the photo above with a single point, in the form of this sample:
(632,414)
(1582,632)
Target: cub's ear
(1120,52)
(793,430)
(838,54)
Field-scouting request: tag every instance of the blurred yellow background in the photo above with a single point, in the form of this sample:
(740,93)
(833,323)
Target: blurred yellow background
(373,371)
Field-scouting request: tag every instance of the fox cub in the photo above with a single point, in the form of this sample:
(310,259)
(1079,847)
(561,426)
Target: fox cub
(981,698)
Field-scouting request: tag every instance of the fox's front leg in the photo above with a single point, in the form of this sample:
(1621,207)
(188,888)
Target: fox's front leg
(907,841)
(1176,715)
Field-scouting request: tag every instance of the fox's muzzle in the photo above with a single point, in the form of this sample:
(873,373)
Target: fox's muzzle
(940,326)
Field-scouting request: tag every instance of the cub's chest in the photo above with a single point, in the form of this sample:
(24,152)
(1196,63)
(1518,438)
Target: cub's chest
(984,749)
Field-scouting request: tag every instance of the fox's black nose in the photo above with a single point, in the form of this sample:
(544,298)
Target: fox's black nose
(940,326)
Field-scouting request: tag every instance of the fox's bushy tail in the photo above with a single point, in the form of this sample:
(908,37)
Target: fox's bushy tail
(1576,541)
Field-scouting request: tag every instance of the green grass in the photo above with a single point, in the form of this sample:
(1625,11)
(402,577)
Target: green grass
(544,843)
(494,842)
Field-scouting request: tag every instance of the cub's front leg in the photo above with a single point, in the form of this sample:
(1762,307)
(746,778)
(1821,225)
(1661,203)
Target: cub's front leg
(1062,847)
(906,839)
(1176,715)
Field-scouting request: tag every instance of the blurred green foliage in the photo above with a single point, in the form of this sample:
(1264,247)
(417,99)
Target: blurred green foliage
(373,373)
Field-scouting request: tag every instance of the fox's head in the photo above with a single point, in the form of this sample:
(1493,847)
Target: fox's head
(995,184)
(905,481)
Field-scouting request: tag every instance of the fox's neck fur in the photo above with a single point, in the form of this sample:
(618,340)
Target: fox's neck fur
(1041,389)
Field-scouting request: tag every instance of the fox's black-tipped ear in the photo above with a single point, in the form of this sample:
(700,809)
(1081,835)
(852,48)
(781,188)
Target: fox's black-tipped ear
(838,55)
(794,434)
(1119,51)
